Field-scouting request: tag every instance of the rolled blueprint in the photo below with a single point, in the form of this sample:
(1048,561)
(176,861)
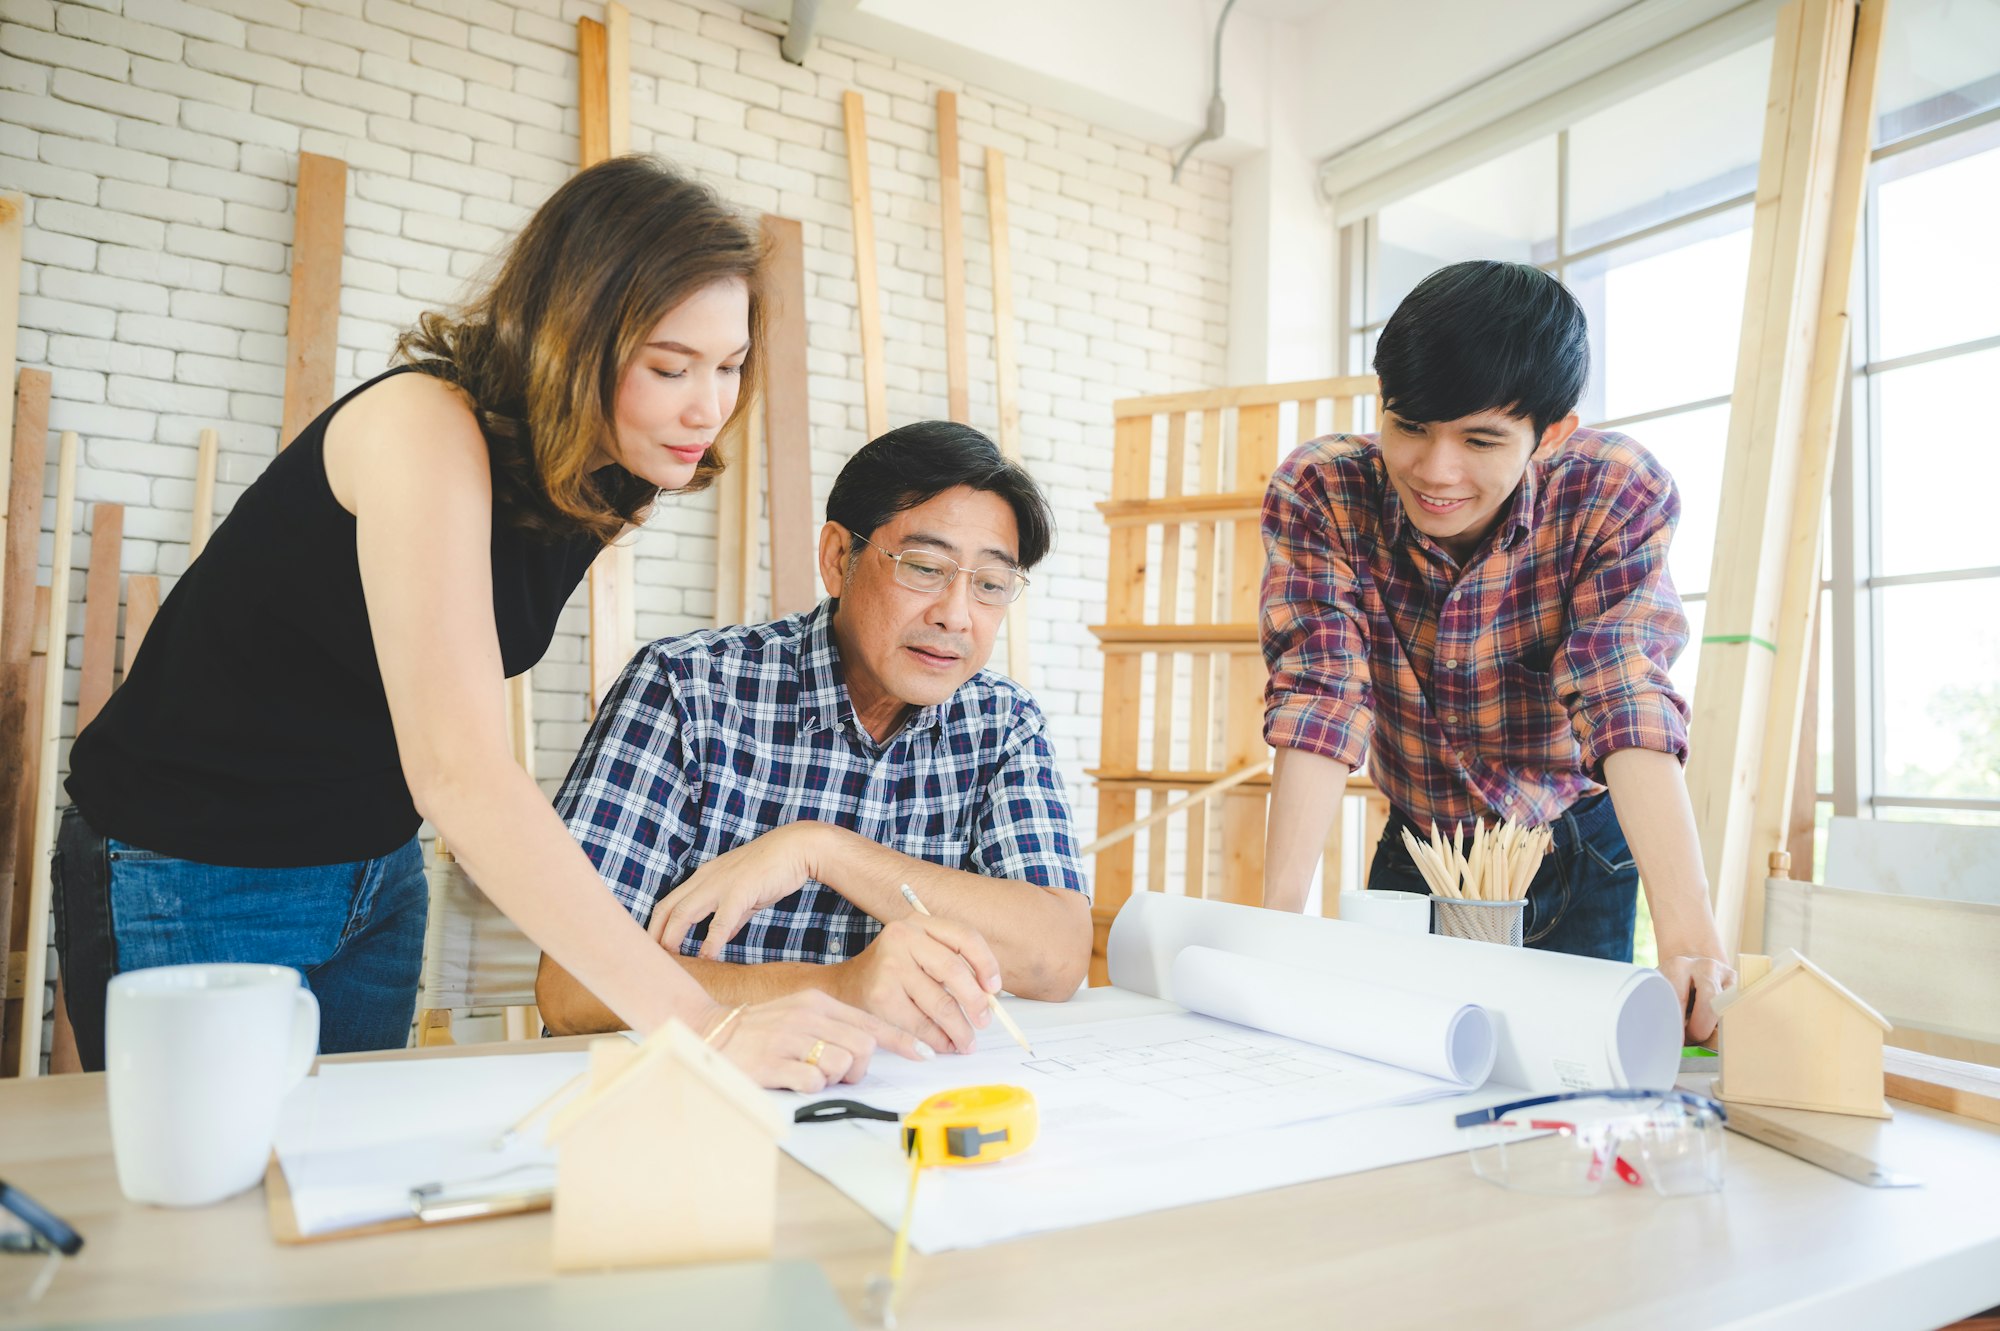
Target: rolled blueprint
(1559,1022)
(1402,1027)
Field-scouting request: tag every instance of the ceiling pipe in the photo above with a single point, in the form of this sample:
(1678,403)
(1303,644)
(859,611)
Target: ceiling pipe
(1217,113)
(798,38)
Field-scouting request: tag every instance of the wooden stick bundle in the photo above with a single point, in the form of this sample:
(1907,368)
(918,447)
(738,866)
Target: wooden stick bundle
(1499,866)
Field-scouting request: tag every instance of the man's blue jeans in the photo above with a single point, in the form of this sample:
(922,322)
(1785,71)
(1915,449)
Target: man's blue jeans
(1584,901)
(355,931)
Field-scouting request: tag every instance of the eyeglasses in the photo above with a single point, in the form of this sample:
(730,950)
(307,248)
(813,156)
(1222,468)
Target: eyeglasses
(1670,1140)
(29,1230)
(928,571)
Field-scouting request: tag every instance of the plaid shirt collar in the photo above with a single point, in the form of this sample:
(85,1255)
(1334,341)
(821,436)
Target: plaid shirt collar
(824,703)
(1517,519)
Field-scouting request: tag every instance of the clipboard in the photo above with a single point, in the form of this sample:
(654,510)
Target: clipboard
(284,1220)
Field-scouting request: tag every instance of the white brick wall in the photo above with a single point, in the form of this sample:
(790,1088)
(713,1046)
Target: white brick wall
(156,140)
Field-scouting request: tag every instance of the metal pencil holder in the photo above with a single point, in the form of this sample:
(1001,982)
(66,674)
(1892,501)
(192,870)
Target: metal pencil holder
(1482,921)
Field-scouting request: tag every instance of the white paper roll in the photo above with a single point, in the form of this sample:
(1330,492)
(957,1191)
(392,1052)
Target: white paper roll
(1402,1027)
(1559,1022)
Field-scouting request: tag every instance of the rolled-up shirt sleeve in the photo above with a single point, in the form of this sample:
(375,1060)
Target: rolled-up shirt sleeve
(1313,629)
(1024,830)
(1627,628)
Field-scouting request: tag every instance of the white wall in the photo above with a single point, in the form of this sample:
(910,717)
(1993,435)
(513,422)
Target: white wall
(157,141)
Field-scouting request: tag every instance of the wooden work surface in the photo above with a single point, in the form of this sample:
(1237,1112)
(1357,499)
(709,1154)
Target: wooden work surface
(1419,1245)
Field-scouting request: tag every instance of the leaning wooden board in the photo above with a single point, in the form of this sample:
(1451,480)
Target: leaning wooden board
(1970,1089)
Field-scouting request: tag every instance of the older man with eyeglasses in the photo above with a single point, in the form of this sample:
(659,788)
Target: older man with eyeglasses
(760,795)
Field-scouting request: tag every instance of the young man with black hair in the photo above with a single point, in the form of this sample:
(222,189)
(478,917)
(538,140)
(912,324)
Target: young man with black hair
(1484,587)
(759,795)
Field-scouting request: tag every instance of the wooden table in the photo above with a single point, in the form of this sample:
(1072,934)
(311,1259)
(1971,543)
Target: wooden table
(1419,1245)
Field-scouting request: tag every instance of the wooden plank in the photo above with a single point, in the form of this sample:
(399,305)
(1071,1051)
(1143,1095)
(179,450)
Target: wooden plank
(1969,1089)
(142,602)
(1801,827)
(732,571)
(1170,777)
(951,210)
(1243,812)
(1789,726)
(36,940)
(617,79)
(22,851)
(15,745)
(613,617)
(100,611)
(24,515)
(1176,637)
(787,422)
(1789,252)
(1118,735)
(739,508)
(319,219)
(1248,395)
(1201,723)
(204,494)
(593,92)
(1201,507)
(1006,374)
(13,211)
(521,720)
(1170,592)
(874,385)
(20,717)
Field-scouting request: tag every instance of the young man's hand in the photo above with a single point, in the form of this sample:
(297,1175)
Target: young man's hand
(734,886)
(1696,981)
(926,975)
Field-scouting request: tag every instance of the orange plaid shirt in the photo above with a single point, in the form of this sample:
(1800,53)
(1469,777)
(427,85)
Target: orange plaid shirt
(1495,689)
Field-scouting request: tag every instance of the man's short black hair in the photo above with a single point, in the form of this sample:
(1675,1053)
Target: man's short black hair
(916,463)
(1483,335)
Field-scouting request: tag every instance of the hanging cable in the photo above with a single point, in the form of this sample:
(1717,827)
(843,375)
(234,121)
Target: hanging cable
(1216,111)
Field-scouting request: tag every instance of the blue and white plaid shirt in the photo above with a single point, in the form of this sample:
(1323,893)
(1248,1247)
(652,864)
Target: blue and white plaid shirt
(711,739)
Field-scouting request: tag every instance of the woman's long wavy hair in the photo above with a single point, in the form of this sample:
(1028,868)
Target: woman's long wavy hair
(542,350)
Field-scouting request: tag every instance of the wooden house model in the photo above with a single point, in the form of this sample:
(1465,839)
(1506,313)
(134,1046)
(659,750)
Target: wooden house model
(1796,1038)
(670,1155)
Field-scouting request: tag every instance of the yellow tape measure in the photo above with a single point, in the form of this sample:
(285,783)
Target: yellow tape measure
(973,1125)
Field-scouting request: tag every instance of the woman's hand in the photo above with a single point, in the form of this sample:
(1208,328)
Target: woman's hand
(808,1041)
(734,886)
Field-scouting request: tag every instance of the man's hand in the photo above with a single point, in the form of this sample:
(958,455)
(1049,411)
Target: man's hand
(1699,979)
(926,975)
(734,886)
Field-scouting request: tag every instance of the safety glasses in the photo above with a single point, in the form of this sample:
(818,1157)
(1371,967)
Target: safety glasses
(1574,1143)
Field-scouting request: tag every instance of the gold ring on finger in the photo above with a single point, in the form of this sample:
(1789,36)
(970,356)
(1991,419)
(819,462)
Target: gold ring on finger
(812,1059)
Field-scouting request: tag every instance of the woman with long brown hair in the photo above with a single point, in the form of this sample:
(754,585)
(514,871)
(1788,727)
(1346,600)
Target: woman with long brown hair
(332,669)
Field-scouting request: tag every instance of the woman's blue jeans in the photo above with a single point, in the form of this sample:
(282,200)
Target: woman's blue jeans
(1584,901)
(354,931)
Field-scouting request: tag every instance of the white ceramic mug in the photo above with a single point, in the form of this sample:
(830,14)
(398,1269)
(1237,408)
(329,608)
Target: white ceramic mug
(199,1059)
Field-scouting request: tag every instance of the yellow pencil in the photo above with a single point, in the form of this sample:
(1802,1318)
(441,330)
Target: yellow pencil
(910,895)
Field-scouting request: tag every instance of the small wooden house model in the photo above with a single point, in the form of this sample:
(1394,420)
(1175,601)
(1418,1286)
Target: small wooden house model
(670,1155)
(1796,1038)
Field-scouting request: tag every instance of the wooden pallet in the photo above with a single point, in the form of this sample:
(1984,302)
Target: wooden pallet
(1183,670)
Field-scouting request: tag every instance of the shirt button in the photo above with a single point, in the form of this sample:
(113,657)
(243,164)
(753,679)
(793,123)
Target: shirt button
(1451,718)
(1452,664)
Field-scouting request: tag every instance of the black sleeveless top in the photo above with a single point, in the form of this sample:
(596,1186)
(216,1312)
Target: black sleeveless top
(253,729)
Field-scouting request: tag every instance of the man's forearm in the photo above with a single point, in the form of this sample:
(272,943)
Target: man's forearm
(1040,935)
(1650,797)
(568,1008)
(1306,793)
